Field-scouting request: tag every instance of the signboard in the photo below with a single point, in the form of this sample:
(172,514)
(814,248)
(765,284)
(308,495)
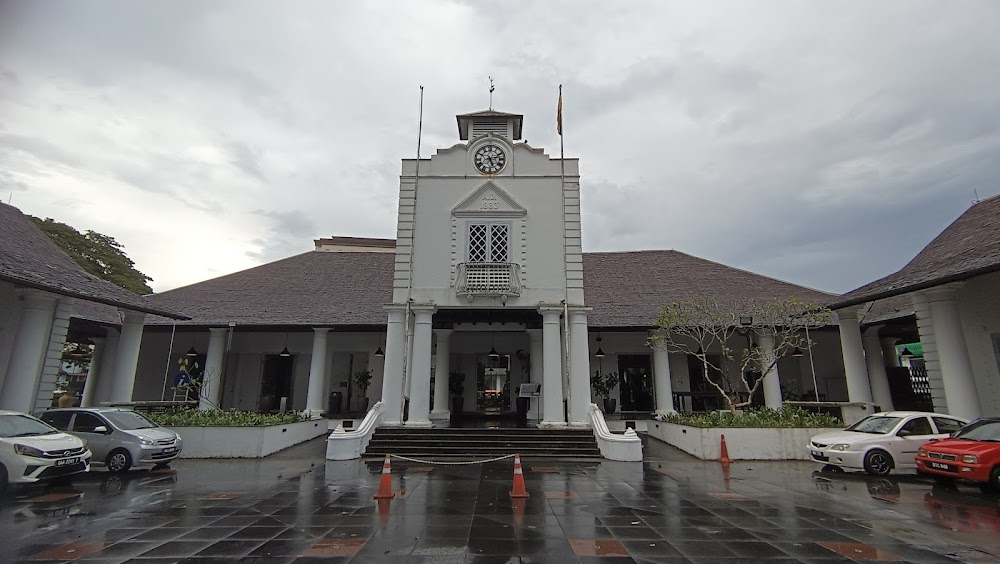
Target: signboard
(530,390)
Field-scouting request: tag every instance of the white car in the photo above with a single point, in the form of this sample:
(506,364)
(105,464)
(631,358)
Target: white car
(882,442)
(31,450)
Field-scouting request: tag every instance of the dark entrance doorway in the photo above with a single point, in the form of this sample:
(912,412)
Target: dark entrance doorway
(276,383)
(492,384)
(636,385)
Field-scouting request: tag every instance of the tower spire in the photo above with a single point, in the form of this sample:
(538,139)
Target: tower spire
(492,88)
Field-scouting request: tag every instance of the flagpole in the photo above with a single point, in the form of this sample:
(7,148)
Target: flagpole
(562,188)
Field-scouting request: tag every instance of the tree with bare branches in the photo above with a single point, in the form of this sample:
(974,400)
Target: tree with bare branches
(725,336)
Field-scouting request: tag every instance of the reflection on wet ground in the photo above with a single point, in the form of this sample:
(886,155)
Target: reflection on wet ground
(297,507)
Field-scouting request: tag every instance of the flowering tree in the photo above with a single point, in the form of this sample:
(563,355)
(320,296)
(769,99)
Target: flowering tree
(709,328)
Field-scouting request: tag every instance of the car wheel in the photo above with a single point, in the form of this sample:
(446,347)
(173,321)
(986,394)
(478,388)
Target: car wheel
(993,486)
(119,460)
(878,462)
(3,479)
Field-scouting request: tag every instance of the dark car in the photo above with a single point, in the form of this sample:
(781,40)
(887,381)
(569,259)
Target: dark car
(972,453)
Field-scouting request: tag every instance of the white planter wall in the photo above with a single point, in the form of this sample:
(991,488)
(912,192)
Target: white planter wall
(246,442)
(742,443)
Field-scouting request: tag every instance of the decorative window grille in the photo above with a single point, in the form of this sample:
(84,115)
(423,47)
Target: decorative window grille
(489,242)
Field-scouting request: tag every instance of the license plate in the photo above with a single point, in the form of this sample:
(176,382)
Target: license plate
(170,450)
(66,461)
(939,466)
(817,454)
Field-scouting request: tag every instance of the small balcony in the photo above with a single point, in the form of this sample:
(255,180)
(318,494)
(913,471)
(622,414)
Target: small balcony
(488,279)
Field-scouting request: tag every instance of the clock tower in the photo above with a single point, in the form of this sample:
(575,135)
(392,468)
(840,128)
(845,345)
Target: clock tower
(488,244)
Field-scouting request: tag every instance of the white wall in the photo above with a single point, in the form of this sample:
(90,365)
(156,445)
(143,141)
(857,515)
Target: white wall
(979,307)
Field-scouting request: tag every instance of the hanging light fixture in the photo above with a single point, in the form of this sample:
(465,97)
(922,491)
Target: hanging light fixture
(284,352)
(493,349)
(905,354)
(699,352)
(600,351)
(379,352)
(797,352)
(191,352)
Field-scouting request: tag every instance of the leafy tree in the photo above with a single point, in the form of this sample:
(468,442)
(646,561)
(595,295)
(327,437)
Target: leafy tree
(98,254)
(721,335)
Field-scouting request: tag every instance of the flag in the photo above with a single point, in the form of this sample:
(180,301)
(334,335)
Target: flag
(559,113)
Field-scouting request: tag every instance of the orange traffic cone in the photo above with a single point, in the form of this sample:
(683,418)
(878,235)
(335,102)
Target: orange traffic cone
(519,489)
(724,458)
(385,485)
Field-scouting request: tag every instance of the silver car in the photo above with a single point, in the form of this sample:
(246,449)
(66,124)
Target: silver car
(119,438)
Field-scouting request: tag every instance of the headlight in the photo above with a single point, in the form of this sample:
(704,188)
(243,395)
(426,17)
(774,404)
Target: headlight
(921,452)
(970,459)
(28,451)
(840,446)
(146,441)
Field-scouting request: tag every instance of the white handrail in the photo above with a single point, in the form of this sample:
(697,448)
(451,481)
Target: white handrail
(346,445)
(626,447)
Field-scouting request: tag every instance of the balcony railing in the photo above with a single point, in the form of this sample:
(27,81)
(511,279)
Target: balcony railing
(488,279)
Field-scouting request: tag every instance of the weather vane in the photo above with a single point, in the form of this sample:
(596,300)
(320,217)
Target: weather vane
(492,88)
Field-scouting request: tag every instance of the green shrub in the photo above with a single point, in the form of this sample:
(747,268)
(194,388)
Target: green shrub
(786,417)
(222,418)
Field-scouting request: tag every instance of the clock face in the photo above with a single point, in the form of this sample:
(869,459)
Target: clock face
(490,159)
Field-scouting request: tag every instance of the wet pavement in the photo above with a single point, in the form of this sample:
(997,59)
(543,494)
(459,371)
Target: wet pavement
(297,507)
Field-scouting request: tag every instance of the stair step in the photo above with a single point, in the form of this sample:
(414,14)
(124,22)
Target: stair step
(478,443)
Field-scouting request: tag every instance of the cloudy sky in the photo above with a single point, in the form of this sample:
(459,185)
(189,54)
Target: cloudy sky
(823,143)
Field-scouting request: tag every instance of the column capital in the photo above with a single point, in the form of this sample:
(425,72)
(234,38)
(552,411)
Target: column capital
(37,299)
(218,330)
(943,293)
(550,308)
(848,313)
(321,330)
(873,329)
(443,332)
(423,308)
(578,317)
(130,316)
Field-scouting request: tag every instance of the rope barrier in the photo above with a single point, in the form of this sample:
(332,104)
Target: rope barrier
(461,463)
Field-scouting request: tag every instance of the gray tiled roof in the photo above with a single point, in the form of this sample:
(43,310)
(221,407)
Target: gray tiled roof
(970,246)
(29,258)
(321,288)
(626,289)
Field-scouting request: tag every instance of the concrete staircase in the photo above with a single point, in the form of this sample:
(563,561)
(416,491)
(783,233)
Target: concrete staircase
(471,444)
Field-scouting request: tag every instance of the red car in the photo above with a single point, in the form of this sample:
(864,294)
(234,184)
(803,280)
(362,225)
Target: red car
(972,453)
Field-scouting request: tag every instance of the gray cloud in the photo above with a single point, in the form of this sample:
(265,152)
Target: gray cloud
(823,144)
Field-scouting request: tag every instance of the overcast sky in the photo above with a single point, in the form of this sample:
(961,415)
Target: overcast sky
(823,143)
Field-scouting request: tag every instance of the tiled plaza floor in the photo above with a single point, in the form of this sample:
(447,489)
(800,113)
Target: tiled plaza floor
(297,507)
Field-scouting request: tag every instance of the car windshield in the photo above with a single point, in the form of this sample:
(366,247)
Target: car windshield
(23,426)
(128,420)
(988,431)
(875,424)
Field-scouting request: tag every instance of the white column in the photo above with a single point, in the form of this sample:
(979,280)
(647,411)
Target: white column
(106,371)
(881,394)
(127,358)
(661,381)
(24,369)
(441,369)
(858,387)
(317,372)
(889,356)
(90,384)
(579,368)
(420,387)
(536,352)
(772,381)
(211,388)
(552,392)
(392,371)
(960,389)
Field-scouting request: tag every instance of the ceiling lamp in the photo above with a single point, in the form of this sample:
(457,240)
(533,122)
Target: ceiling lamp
(600,351)
(797,352)
(191,352)
(493,349)
(906,354)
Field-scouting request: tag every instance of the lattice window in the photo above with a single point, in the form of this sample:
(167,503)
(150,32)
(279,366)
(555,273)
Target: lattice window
(499,243)
(479,244)
(489,242)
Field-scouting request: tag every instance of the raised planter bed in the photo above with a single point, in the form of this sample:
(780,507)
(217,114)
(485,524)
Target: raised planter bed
(743,443)
(247,442)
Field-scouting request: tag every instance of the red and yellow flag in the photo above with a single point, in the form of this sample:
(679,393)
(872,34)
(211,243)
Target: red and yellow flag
(559,113)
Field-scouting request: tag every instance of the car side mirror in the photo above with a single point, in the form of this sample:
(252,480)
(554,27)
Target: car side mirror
(100,429)
(903,433)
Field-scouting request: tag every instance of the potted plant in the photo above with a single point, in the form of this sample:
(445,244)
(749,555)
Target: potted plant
(603,386)
(456,387)
(363,379)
